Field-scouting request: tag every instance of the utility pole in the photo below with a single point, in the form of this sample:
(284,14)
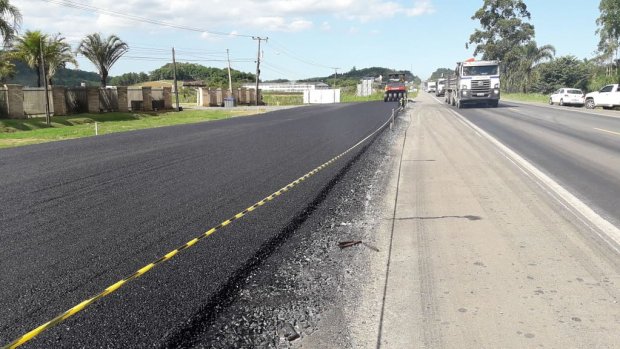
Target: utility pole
(174,75)
(229,77)
(335,76)
(47,95)
(258,63)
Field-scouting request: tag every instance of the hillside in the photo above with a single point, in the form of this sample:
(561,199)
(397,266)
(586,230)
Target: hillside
(65,77)
(357,74)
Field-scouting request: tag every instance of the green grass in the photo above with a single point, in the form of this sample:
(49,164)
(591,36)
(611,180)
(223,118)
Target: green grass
(349,98)
(283,98)
(30,131)
(525,97)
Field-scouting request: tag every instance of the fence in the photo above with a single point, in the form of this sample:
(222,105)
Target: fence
(34,101)
(21,102)
(134,99)
(4,112)
(108,99)
(77,100)
(157,94)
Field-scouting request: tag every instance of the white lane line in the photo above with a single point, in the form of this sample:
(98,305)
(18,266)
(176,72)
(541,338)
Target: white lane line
(563,196)
(603,130)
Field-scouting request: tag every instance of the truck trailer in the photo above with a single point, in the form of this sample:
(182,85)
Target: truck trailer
(474,83)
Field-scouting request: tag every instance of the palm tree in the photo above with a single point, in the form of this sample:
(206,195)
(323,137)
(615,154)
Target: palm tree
(7,69)
(10,18)
(532,56)
(56,53)
(102,52)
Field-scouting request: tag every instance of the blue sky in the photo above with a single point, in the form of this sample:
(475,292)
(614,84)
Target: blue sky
(307,38)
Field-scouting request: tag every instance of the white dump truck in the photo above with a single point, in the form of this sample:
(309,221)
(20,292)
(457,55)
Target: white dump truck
(441,84)
(474,83)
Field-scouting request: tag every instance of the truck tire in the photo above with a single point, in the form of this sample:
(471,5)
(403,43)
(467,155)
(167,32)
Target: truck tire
(590,103)
(494,104)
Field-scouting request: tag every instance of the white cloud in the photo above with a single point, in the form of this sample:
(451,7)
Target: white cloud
(247,16)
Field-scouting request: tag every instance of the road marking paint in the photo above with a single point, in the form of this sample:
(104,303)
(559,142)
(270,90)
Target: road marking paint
(592,219)
(611,132)
(114,287)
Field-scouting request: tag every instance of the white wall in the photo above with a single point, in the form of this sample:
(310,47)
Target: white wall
(321,96)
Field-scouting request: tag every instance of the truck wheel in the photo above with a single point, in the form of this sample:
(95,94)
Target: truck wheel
(494,104)
(590,104)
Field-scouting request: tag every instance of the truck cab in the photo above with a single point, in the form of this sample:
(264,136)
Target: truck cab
(608,97)
(440,87)
(475,82)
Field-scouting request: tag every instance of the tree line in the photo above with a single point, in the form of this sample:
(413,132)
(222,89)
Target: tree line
(507,36)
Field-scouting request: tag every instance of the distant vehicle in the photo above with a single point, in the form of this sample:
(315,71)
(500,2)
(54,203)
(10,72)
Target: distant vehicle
(440,87)
(474,82)
(608,97)
(431,86)
(567,96)
(395,88)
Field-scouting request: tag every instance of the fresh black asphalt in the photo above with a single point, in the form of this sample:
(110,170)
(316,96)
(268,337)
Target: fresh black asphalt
(77,216)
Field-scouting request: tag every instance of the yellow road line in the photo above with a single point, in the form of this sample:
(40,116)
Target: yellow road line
(611,132)
(142,271)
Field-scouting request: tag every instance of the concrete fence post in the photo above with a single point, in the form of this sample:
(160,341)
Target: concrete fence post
(147,98)
(167,98)
(59,100)
(15,101)
(123,103)
(92,95)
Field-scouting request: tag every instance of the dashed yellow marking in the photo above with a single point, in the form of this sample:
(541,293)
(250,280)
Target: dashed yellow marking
(114,287)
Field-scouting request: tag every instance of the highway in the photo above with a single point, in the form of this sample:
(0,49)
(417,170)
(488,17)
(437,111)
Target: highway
(580,149)
(77,216)
(488,249)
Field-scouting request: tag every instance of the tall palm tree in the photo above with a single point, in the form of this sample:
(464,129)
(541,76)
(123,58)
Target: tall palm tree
(10,18)
(56,53)
(102,52)
(7,69)
(532,56)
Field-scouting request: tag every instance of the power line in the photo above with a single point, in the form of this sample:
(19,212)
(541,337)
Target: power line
(90,8)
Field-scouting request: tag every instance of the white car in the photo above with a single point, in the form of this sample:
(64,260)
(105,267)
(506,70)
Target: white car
(568,96)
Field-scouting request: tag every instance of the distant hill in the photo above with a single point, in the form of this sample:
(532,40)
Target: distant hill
(65,77)
(356,74)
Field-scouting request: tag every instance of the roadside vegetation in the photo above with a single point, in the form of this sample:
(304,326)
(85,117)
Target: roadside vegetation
(16,132)
(532,72)
(526,97)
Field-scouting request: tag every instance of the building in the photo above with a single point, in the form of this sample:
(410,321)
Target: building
(289,87)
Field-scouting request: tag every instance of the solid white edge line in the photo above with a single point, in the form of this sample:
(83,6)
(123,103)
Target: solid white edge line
(610,230)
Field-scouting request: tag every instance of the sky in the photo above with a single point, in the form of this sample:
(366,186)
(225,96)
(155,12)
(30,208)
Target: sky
(306,38)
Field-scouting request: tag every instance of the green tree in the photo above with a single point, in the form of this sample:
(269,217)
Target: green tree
(7,68)
(10,19)
(503,28)
(565,71)
(441,72)
(532,55)
(609,31)
(56,53)
(102,52)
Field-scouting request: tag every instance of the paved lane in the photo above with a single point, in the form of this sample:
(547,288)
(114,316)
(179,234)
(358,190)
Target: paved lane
(79,215)
(580,150)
